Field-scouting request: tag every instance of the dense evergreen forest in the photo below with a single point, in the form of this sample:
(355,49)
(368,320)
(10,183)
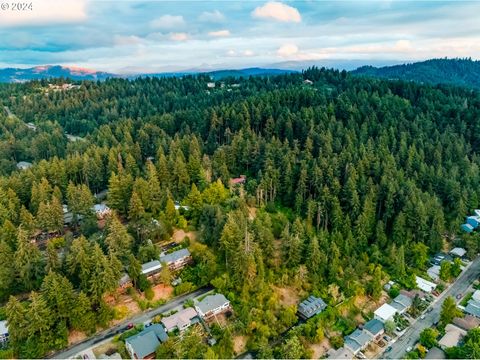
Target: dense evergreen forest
(350,182)
(458,72)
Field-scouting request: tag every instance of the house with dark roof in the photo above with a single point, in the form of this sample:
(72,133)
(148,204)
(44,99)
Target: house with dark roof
(212,305)
(374,327)
(357,341)
(151,268)
(468,322)
(144,344)
(435,353)
(311,307)
(177,259)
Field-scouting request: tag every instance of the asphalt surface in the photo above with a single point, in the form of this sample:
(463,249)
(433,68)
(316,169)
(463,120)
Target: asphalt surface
(412,334)
(139,319)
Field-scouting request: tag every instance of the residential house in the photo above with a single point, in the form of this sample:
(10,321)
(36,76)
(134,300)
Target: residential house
(477,212)
(468,322)
(440,257)
(425,285)
(178,206)
(453,335)
(401,303)
(467,228)
(212,305)
(311,307)
(357,341)
(177,259)
(180,320)
(341,353)
(385,312)
(101,210)
(375,328)
(24,165)
(3,332)
(151,268)
(473,220)
(434,272)
(473,308)
(435,353)
(458,252)
(476,296)
(144,344)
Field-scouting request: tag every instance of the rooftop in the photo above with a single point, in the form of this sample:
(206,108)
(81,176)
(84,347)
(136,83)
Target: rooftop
(147,341)
(211,302)
(452,337)
(467,323)
(458,251)
(472,309)
(311,306)
(3,327)
(435,353)
(404,300)
(357,339)
(341,353)
(151,266)
(179,319)
(425,285)
(373,326)
(175,256)
(385,312)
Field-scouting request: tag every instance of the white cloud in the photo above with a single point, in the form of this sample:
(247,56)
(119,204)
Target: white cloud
(46,12)
(277,11)
(219,33)
(168,22)
(211,16)
(120,40)
(178,36)
(287,50)
(248,52)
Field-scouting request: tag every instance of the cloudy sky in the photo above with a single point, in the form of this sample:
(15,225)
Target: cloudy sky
(142,36)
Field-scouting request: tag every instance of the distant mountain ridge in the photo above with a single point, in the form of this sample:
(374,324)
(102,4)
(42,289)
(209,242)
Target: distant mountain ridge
(459,72)
(15,75)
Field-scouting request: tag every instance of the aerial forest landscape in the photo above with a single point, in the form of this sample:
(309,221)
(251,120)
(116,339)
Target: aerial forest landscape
(163,196)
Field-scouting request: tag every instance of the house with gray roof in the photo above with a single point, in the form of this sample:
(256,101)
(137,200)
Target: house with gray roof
(144,344)
(177,259)
(341,353)
(473,308)
(374,327)
(151,268)
(311,307)
(357,341)
(181,320)
(435,353)
(212,305)
(401,303)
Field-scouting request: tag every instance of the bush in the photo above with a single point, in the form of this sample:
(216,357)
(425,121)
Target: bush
(184,288)
(120,312)
(149,294)
(336,341)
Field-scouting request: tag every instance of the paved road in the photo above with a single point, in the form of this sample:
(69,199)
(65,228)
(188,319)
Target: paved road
(139,319)
(412,334)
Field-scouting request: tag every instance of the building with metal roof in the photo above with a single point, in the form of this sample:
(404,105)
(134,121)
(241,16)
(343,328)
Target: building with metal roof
(311,307)
(144,344)
(151,268)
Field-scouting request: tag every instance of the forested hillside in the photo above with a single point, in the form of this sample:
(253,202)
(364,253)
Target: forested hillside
(350,182)
(458,72)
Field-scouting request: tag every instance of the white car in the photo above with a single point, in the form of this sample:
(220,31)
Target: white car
(422,317)
(409,349)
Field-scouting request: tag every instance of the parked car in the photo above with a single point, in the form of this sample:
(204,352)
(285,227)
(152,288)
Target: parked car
(387,338)
(388,349)
(129,326)
(422,317)
(459,296)
(409,349)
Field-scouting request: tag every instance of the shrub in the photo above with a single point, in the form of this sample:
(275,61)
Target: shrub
(149,294)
